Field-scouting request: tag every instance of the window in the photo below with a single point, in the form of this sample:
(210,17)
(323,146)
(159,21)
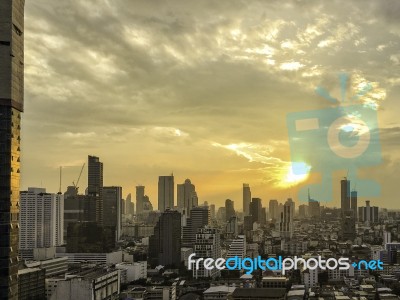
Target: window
(5,43)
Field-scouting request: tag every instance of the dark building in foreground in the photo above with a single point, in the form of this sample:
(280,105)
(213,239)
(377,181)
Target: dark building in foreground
(165,244)
(79,208)
(11,106)
(89,237)
(31,284)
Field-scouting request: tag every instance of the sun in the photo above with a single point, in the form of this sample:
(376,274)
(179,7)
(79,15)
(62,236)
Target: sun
(294,173)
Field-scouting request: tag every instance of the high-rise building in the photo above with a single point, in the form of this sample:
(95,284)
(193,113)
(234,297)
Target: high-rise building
(41,221)
(112,202)
(129,205)
(353,203)
(199,218)
(165,244)
(314,210)
(237,247)
(147,206)
(212,211)
(186,197)
(256,210)
(95,184)
(207,245)
(232,228)
(348,224)
(303,211)
(90,237)
(165,192)
(368,214)
(286,219)
(139,198)
(79,208)
(229,209)
(11,106)
(345,195)
(273,209)
(246,199)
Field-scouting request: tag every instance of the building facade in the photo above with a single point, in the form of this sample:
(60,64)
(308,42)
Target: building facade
(246,199)
(165,192)
(41,220)
(11,107)
(95,185)
(165,244)
(186,196)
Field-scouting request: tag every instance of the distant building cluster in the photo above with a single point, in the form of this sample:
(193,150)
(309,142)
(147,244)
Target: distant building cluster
(96,245)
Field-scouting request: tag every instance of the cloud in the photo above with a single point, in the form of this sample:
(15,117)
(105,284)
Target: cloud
(141,78)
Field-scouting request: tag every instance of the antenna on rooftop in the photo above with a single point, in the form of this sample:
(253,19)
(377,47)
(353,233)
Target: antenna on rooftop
(59,189)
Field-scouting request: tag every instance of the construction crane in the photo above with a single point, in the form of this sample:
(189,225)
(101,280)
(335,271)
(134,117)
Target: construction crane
(79,177)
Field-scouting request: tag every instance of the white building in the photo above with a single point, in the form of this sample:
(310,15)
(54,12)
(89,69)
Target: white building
(207,245)
(41,220)
(134,271)
(310,278)
(237,247)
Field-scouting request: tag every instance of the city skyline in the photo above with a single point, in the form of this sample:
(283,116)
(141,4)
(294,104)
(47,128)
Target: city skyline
(200,91)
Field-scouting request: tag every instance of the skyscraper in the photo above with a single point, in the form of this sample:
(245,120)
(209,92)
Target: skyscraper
(368,214)
(95,184)
(314,209)
(165,192)
(128,205)
(11,106)
(246,199)
(344,195)
(273,209)
(286,219)
(353,203)
(186,196)
(41,221)
(199,217)
(139,198)
(229,209)
(165,244)
(112,198)
(256,210)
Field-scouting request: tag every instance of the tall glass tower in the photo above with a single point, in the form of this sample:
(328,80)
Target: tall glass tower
(11,106)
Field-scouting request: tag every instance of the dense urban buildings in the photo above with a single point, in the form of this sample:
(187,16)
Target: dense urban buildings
(11,107)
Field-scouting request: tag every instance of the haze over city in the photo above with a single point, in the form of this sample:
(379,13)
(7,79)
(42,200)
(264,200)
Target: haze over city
(200,89)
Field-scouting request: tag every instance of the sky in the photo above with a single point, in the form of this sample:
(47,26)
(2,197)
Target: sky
(203,90)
